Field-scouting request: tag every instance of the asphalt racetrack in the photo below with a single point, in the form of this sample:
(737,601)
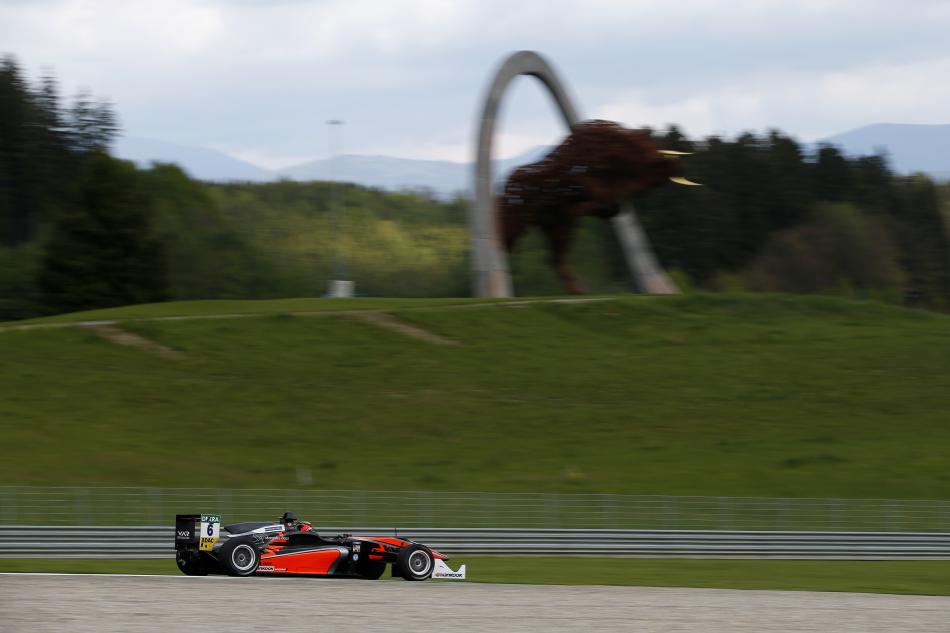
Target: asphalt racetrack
(98,603)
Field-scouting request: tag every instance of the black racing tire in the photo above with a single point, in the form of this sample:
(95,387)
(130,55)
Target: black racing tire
(371,569)
(415,562)
(191,564)
(239,557)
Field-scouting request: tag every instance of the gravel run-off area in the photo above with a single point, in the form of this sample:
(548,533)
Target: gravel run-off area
(100,603)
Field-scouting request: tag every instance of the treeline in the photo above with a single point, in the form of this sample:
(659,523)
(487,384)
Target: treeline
(42,143)
(80,229)
(44,146)
(776,217)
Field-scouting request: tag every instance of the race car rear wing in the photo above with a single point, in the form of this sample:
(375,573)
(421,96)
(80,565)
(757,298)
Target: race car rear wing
(199,531)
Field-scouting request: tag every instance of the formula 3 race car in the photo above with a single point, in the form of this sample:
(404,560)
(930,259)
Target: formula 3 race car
(203,546)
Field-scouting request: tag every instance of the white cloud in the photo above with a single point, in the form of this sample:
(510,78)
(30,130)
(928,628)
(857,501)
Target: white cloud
(809,105)
(260,77)
(505,145)
(116,33)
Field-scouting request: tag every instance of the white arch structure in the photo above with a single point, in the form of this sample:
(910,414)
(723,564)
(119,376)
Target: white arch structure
(490,274)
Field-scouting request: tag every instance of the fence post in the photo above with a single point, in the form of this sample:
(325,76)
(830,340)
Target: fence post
(488,514)
(9,506)
(295,501)
(891,516)
(551,501)
(224,498)
(362,509)
(77,507)
(840,514)
(424,501)
(670,512)
(154,506)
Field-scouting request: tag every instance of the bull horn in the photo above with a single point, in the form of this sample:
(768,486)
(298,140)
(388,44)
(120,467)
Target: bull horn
(684,181)
(673,152)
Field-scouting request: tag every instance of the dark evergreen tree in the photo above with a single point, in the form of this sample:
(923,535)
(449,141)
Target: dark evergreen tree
(92,123)
(17,196)
(832,180)
(789,196)
(36,166)
(103,251)
(917,222)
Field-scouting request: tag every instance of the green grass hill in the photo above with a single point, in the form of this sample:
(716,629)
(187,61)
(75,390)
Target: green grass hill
(701,394)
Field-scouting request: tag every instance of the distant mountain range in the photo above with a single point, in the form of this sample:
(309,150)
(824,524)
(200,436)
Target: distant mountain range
(200,163)
(910,148)
(445,178)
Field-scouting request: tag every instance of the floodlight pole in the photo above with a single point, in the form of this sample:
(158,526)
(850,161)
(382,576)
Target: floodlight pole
(339,286)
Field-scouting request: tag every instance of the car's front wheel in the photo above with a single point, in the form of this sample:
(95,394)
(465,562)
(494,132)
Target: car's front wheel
(415,562)
(239,557)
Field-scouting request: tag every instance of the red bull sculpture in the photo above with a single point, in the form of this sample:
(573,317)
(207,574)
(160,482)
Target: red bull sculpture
(591,172)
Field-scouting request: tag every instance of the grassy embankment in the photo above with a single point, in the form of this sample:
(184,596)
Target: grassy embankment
(696,395)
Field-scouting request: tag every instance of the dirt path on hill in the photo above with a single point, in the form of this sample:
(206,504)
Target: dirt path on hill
(112,333)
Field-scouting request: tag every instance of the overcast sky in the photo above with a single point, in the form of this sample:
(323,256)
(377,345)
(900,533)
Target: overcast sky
(258,79)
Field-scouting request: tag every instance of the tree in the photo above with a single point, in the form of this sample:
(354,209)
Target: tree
(36,166)
(917,221)
(18,204)
(102,252)
(838,250)
(832,181)
(92,123)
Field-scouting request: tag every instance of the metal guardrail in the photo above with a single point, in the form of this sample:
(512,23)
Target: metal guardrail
(30,505)
(158,542)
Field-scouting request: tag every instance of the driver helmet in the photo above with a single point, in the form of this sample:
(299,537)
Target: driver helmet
(288,519)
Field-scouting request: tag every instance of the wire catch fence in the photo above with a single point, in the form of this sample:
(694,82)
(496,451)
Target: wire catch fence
(31,505)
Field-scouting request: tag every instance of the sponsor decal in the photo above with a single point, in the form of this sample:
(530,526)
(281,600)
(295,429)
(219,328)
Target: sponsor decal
(184,534)
(210,526)
(444,571)
(207,544)
(265,568)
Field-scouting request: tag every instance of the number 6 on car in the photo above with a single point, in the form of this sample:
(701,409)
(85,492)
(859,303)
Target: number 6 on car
(209,530)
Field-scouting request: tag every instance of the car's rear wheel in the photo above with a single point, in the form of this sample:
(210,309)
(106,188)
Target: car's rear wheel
(191,564)
(239,557)
(415,562)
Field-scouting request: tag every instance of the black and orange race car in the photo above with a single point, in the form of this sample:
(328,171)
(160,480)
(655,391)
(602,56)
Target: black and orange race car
(290,547)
